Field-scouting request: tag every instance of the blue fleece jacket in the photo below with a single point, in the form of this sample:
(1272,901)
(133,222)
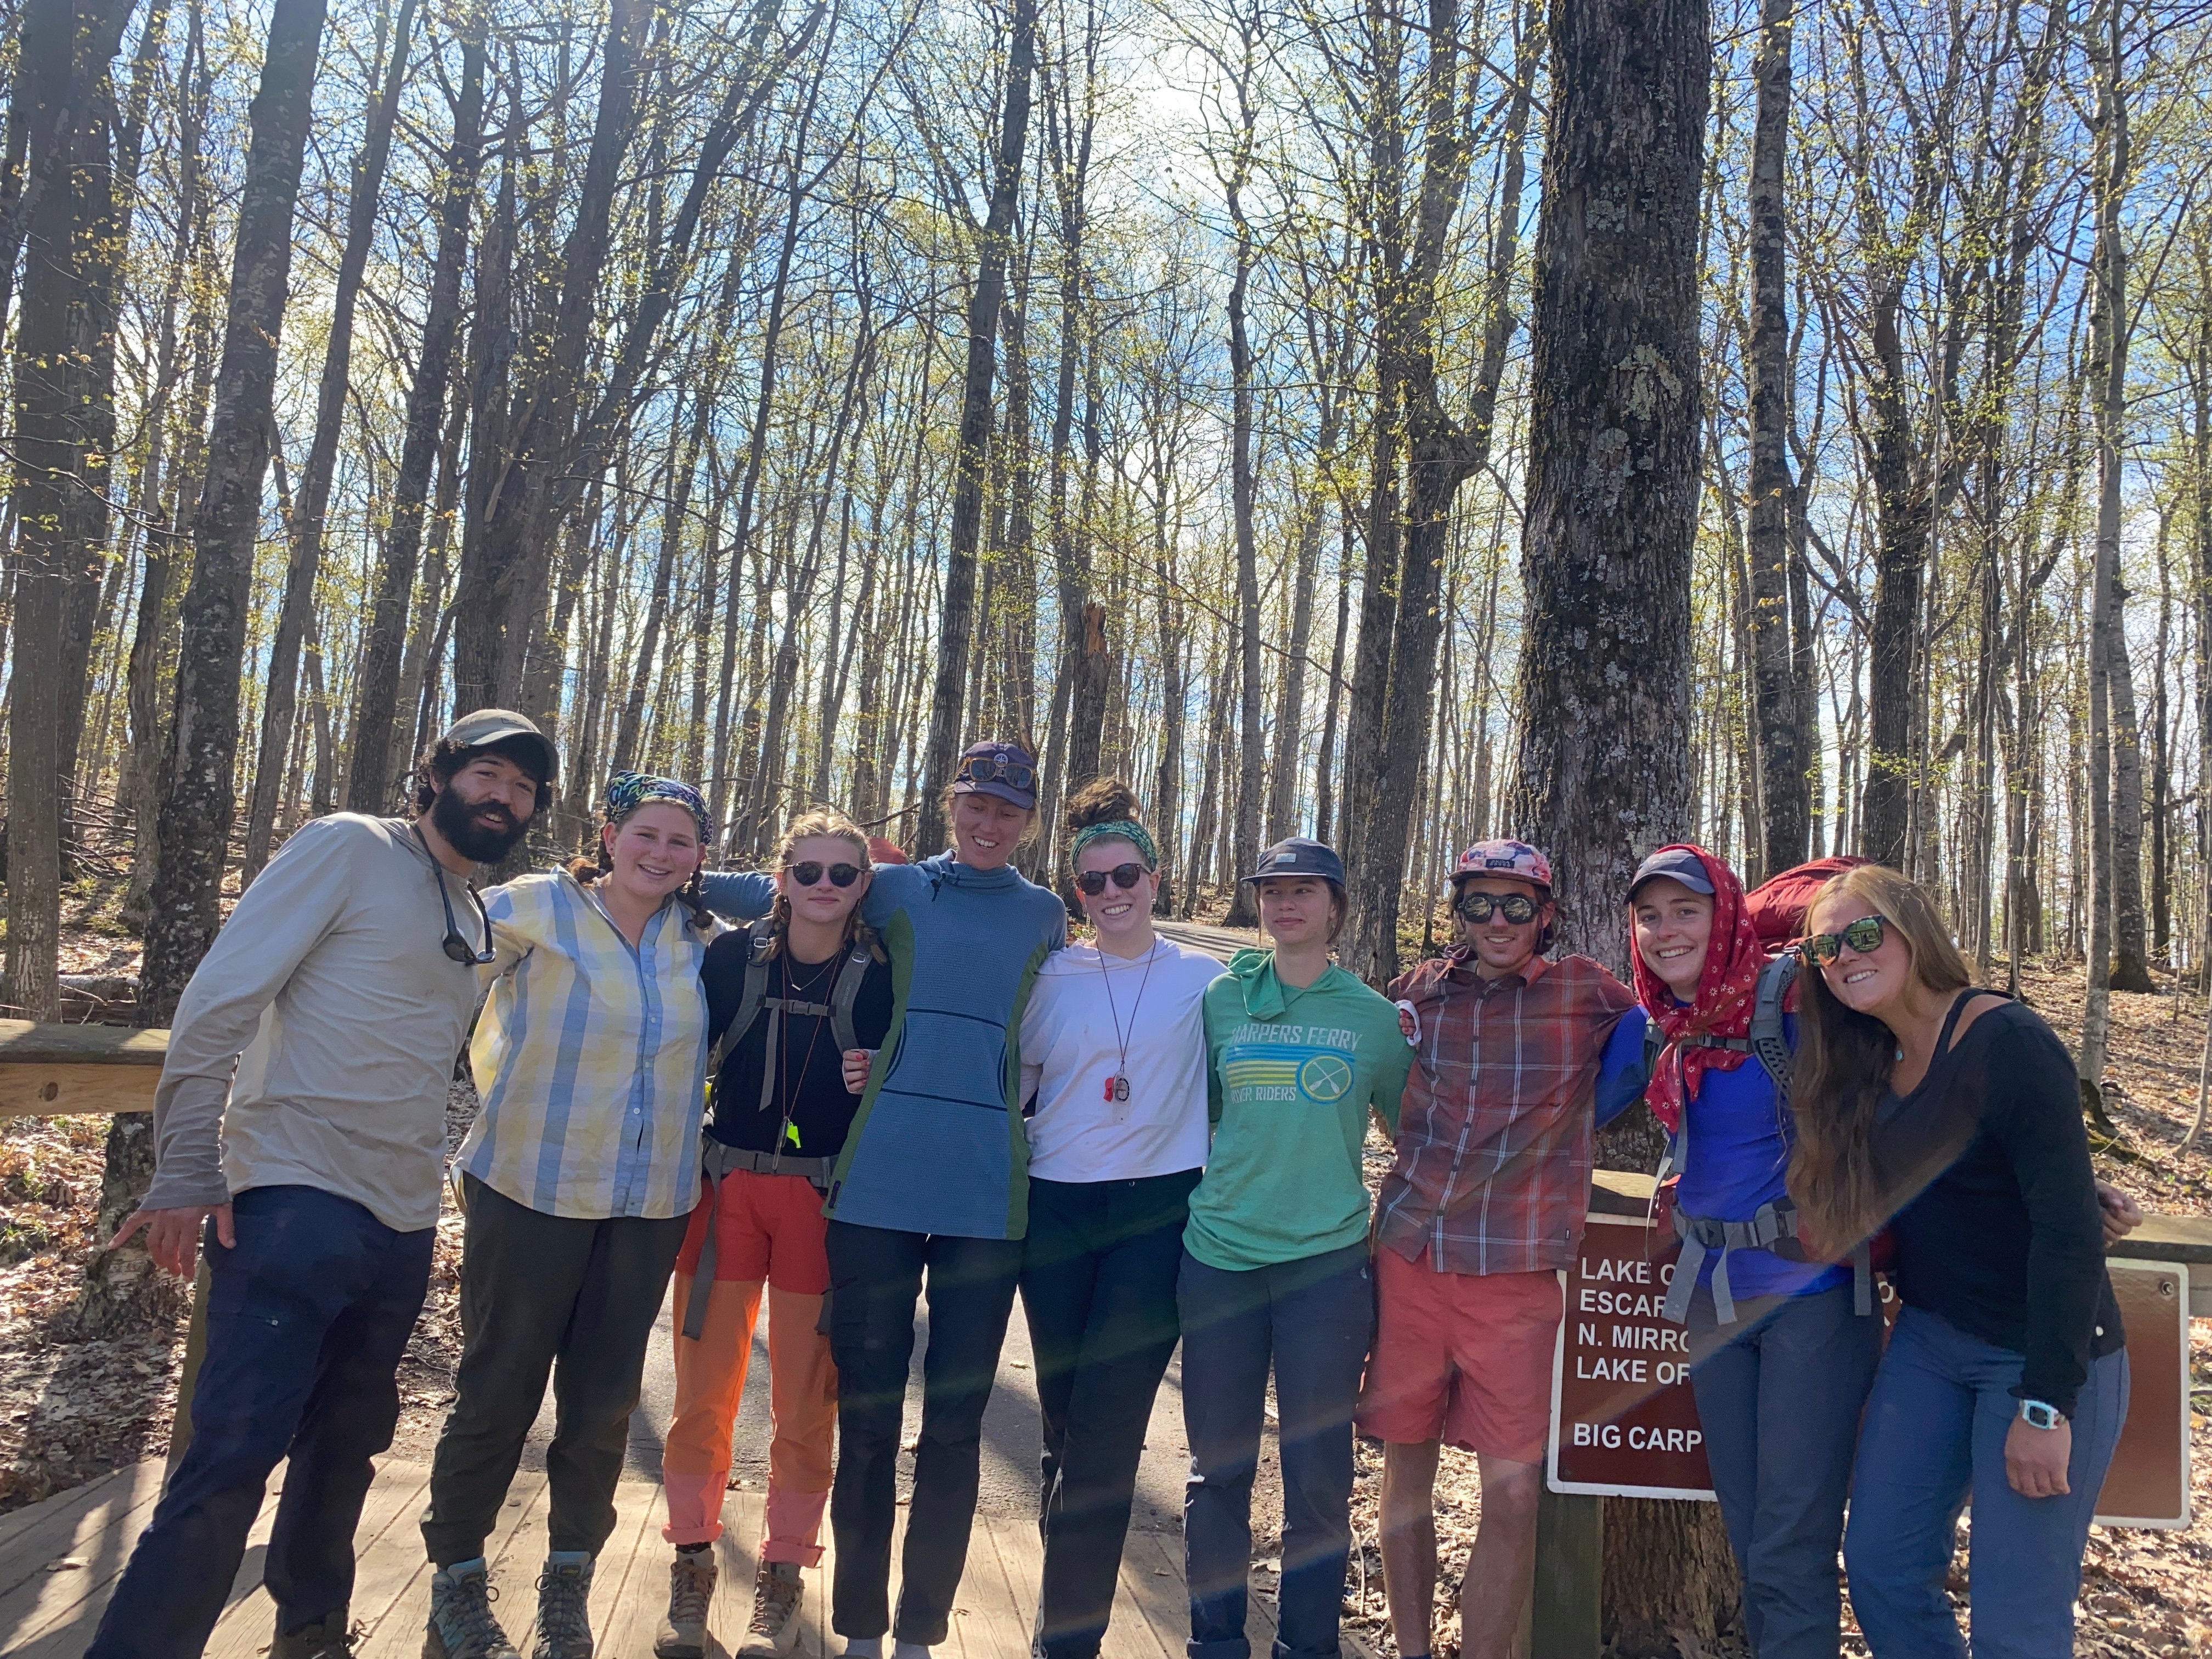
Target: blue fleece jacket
(1739,1142)
(938,1144)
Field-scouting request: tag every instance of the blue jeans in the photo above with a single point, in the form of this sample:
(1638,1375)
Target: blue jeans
(308,1317)
(1934,1435)
(1313,1318)
(1780,1407)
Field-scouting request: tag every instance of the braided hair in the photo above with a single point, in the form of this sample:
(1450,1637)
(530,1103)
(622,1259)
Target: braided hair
(585,871)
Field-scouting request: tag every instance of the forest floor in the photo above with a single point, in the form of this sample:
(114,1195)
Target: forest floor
(73,1409)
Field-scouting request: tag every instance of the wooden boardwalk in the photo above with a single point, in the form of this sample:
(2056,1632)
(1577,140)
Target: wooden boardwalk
(59,1559)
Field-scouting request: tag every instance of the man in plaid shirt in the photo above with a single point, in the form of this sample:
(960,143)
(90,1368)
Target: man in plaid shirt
(1483,1207)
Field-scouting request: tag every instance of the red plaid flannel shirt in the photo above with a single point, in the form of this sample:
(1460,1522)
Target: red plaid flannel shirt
(1493,1168)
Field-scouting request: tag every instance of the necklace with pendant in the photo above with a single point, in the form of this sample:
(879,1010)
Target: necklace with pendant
(1117,1085)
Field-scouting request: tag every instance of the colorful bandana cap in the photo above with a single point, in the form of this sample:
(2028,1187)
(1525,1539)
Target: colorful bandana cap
(1126,829)
(628,791)
(1504,858)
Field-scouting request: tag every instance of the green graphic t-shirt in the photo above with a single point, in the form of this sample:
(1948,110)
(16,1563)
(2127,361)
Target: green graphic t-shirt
(1292,1075)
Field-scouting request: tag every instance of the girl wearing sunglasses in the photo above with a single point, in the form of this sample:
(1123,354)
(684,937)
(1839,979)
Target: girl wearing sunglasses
(933,1180)
(1114,1059)
(1951,1113)
(1784,1354)
(785,1091)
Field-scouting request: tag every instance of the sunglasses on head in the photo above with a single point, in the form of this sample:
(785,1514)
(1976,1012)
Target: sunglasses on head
(1125,876)
(983,768)
(1517,908)
(806,874)
(1864,936)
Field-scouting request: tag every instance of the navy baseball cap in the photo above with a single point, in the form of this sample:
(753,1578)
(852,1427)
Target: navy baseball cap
(1005,769)
(1679,862)
(1299,855)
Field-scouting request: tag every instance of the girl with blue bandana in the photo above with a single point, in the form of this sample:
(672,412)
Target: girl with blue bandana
(578,1176)
(1114,1059)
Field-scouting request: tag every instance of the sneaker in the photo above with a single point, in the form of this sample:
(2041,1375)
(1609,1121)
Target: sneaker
(461,1622)
(777,1592)
(326,1638)
(690,1587)
(564,1611)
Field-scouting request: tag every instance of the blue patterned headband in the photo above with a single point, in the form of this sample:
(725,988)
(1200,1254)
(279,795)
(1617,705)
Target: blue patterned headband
(628,791)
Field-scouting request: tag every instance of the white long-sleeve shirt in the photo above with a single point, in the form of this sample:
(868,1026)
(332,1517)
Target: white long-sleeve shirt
(1070,1053)
(315,1043)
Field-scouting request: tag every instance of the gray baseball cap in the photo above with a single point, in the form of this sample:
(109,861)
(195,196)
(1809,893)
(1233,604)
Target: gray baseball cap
(1677,862)
(482,728)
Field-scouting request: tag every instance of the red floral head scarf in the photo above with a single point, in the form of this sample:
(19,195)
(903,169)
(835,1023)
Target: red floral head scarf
(1728,990)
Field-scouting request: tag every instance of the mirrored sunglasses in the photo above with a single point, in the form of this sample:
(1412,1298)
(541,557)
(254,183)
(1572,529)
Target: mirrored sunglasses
(1517,908)
(1864,936)
(807,874)
(983,768)
(1125,876)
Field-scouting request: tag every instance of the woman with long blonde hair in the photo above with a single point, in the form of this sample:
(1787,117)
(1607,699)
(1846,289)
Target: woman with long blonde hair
(795,1002)
(1951,1113)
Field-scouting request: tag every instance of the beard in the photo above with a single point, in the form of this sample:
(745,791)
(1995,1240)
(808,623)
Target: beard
(482,833)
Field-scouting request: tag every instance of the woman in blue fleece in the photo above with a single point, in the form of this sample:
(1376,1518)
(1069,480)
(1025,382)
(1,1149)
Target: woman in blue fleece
(934,1179)
(1786,1359)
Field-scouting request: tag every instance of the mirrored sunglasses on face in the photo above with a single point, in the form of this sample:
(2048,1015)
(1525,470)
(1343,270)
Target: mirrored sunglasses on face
(1125,876)
(807,874)
(1517,908)
(983,768)
(1864,936)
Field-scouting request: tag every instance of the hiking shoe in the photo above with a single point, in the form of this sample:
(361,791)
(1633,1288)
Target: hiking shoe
(564,1619)
(690,1587)
(461,1622)
(777,1592)
(328,1638)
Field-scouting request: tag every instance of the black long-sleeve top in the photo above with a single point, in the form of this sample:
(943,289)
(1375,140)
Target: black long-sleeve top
(1996,1221)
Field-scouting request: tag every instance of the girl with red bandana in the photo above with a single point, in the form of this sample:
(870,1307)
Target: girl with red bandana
(1787,1359)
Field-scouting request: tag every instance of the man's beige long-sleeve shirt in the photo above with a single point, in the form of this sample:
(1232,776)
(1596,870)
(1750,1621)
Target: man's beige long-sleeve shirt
(315,1044)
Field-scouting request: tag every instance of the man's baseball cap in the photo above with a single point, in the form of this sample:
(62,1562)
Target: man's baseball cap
(1299,855)
(485,727)
(1515,859)
(1679,862)
(1005,769)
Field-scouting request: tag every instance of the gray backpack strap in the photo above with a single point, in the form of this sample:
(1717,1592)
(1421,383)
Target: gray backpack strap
(1768,1041)
(846,994)
(750,999)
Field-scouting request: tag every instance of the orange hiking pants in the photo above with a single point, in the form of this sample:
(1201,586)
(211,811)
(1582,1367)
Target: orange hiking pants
(767,1230)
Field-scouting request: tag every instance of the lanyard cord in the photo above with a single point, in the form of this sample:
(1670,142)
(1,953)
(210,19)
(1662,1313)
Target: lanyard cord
(783,1049)
(1121,1043)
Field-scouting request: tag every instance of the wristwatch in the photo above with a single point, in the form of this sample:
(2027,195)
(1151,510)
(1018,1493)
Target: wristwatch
(2039,1414)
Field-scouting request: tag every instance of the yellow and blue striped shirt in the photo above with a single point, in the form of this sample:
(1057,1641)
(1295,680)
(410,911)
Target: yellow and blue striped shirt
(591,1056)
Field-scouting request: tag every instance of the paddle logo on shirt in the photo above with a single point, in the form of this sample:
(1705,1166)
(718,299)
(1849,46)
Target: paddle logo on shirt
(1276,1067)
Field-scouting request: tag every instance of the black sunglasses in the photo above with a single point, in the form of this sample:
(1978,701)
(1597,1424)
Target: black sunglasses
(983,769)
(1864,936)
(806,874)
(1125,875)
(1517,908)
(454,945)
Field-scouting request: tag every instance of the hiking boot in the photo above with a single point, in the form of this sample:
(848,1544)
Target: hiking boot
(690,1587)
(564,1617)
(777,1592)
(326,1638)
(461,1622)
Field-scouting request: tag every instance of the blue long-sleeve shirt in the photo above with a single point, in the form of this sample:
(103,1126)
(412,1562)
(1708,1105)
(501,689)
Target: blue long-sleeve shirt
(1739,1144)
(937,1146)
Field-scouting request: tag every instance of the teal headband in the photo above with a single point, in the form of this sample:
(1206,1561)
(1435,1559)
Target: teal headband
(1126,829)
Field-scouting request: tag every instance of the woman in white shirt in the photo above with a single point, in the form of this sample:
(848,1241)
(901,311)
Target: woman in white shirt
(1114,1056)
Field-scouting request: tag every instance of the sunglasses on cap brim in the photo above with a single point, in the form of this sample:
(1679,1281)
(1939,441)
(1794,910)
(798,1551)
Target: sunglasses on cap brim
(985,768)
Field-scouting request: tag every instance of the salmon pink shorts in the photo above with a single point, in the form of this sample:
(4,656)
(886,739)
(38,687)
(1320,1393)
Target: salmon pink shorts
(1461,1358)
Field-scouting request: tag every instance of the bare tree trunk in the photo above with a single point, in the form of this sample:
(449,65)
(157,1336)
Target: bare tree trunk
(314,501)
(377,699)
(957,611)
(1781,790)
